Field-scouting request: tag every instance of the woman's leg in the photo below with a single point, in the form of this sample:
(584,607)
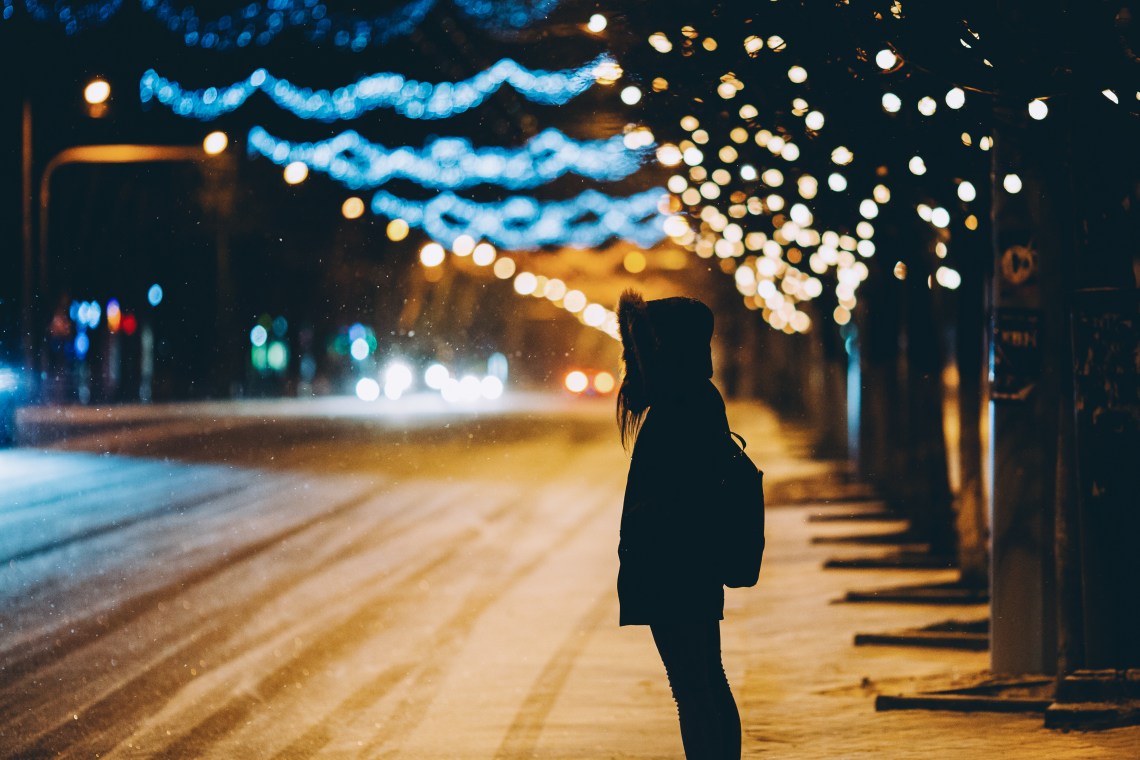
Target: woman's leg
(710,722)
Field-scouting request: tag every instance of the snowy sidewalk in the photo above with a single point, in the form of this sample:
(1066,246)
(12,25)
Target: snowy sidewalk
(804,689)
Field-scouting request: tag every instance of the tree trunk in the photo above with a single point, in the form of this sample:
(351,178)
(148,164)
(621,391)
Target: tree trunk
(925,477)
(975,263)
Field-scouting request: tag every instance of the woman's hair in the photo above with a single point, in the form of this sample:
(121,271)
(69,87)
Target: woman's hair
(665,348)
(636,340)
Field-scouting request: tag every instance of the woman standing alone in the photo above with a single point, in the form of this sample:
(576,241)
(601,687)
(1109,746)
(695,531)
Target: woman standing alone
(672,415)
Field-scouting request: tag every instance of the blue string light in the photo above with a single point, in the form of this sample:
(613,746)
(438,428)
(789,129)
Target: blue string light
(73,18)
(260,22)
(452,162)
(517,14)
(522,223)
(408,97)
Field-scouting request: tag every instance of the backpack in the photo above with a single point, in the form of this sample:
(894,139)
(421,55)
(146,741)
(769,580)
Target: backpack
(741,529)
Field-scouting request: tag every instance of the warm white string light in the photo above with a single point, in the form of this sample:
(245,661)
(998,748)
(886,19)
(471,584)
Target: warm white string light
(522,223)
(528,284)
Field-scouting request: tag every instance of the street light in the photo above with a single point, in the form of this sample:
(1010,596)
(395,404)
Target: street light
(97,92)
(82,154)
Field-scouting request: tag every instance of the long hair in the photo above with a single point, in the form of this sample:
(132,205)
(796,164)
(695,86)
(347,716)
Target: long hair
(637,342)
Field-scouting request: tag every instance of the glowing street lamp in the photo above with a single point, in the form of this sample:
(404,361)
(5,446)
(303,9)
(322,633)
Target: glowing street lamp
(97,92)
(81,154)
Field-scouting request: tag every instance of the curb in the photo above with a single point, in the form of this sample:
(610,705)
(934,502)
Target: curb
(936,593)
(903,560)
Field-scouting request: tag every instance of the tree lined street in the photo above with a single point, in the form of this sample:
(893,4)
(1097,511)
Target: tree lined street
(309,350)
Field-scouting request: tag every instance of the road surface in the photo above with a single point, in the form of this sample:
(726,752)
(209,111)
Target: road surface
(290,580)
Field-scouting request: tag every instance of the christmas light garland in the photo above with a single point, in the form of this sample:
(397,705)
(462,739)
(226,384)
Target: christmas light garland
(452,162)
(521,223)
(528,284)
(515,14)
(73,18)
(408,97)
(259,23)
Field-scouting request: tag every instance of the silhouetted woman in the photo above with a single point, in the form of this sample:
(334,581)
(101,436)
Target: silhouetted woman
(674,417)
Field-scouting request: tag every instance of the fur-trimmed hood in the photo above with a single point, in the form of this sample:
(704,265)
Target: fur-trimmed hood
(667,340)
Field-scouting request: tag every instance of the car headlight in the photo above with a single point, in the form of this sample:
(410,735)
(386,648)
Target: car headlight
(9,380)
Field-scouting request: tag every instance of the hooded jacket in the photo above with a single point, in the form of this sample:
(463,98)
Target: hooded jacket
(667,548)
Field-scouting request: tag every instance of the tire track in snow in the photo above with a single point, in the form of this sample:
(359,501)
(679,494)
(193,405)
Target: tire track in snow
(523,734)
(445,646)
(121,706)
(422,676)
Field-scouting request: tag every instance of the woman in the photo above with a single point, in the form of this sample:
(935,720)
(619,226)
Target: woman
(673,416)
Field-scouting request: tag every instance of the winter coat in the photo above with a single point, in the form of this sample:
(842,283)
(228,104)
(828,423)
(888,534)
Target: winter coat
(667,547)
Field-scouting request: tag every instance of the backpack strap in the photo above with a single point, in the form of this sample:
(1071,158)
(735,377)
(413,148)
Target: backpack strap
(740,438)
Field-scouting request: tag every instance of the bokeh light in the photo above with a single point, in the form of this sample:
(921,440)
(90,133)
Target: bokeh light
(604,382)
(432,255)
(296,173)
(576,381)
(435,376)
(483,255)
(367,389)
(352,208)
(97,92)
(396,230)
(215,143)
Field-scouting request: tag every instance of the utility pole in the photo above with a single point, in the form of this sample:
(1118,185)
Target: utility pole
(975,254)
(1034,245)
(1063,386)
(27,329)
(1024,404)
(1099,567)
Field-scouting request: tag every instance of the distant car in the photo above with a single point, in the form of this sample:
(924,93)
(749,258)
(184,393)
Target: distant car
(589,382)
(11,392)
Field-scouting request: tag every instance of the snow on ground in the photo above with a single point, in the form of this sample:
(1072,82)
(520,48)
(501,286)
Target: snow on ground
(280,581)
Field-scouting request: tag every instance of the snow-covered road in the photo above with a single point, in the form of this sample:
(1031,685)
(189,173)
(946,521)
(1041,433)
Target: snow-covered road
(300,586)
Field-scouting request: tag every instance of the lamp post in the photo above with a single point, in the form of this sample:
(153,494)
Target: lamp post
(82,154)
